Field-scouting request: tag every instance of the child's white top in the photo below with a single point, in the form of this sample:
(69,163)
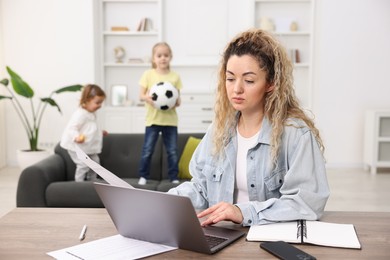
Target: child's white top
(83,122)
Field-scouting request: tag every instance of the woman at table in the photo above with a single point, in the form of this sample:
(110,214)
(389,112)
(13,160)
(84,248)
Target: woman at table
(262,158)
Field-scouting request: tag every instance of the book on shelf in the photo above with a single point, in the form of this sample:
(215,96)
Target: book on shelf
(145,24)
(294,55)
(305,231)
(119,28)
(297,56)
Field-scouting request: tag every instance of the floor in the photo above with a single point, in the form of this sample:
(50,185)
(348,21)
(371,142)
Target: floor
(8,182)
(351,190)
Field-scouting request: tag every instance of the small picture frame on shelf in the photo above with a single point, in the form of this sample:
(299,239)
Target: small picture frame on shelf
(118,95)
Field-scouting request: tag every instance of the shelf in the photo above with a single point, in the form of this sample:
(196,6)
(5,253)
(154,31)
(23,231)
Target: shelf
(383,164)
(384,139)
(196,73)
(384,129)
(282,1)
(130,1)
(211,64)
(124,108)
(130,33)
(377,139)
(176,65)
(278,16)
(137,45)
(129,65)
(298,33)
(301,65)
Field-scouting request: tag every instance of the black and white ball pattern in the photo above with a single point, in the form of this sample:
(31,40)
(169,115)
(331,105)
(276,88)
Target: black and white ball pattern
(164,95)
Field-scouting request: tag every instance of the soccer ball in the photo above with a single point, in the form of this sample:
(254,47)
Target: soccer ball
(164,95)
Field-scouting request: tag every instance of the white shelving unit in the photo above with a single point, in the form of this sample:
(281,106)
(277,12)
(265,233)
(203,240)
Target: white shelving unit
(195,59)
(126,14)
(195,113)
(377,140)
(281,14)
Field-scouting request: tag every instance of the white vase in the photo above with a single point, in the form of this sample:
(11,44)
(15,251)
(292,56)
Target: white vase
(27,158)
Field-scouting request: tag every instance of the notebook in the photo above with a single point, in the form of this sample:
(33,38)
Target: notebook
(305,231)
(157,217)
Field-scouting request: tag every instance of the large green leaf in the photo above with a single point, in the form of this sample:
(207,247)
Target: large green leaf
(73,88)
(19,85)
(51,102)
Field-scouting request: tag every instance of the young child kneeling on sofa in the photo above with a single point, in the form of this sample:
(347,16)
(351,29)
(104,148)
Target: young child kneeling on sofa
(82,129)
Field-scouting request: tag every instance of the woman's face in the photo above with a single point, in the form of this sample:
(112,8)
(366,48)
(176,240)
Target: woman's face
(246,84)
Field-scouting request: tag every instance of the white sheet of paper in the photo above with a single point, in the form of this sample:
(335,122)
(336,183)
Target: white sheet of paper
(101,171)
(114,247)
(332,234)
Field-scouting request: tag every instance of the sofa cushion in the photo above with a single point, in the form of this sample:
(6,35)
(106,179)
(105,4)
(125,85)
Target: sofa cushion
(70,166)
(83,194)
(166,185)
(189,148)
(150,185)
(72,194)
(181,142)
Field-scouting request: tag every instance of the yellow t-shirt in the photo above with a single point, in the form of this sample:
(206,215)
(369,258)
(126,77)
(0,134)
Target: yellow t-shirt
(155,116)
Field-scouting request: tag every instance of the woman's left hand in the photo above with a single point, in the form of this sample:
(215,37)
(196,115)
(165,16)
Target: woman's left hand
(221,211)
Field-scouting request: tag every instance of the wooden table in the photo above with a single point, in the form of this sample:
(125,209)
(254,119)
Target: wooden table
(29,233)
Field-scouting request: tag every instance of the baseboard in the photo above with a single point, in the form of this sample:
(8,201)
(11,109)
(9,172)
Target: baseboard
(345,166)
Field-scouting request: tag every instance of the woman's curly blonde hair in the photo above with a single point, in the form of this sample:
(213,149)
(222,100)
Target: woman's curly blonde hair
(280,104)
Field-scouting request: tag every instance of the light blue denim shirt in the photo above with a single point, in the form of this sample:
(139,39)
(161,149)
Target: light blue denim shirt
(296,189)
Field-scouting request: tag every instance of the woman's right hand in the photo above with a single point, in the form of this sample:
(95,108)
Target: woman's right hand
(221,212)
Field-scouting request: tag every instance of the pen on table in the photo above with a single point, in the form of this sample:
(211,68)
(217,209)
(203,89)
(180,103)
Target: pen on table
(83,232)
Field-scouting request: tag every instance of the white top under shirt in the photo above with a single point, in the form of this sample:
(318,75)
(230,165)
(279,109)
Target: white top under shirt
(243,145)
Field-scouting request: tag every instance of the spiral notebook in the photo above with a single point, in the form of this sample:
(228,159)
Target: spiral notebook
(305,231)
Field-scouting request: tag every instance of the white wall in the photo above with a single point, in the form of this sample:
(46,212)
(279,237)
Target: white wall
(50,43)
(352,66)
(3,155)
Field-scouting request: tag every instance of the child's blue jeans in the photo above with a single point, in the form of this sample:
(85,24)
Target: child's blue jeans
(169,136)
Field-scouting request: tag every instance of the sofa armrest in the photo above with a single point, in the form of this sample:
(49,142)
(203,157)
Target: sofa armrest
(34,180)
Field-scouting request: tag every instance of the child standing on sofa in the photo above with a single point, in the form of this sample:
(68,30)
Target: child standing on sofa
(82,129)
(159,121)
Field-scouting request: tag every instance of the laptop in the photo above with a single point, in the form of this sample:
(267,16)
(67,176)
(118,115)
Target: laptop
(157,217)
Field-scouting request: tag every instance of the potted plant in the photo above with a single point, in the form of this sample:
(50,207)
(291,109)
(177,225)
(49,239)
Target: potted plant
(31,124)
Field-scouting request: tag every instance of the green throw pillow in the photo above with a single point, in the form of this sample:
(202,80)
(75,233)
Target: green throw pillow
(184,162)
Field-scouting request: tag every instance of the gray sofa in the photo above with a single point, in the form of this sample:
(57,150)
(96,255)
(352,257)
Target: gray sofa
(50,182)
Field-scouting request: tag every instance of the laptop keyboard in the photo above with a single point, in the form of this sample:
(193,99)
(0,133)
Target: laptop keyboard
(214,241)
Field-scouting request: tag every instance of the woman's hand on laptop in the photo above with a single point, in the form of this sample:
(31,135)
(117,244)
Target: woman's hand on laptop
(220,212)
